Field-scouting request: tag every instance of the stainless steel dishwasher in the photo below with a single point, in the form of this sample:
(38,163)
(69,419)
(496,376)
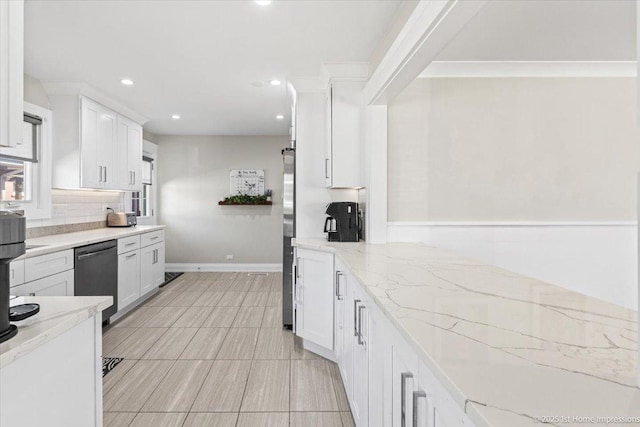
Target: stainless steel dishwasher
(96,273)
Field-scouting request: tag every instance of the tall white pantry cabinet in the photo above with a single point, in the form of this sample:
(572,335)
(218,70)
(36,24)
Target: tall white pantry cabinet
(385,380)
(11,72)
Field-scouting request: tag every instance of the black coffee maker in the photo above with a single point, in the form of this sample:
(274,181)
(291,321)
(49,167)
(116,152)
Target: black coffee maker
(12,236)
(343,222)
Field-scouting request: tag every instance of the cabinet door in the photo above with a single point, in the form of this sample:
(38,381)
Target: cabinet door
(314,296)
(16,273)
(107,146)
(128,278)
(148,268)
(11,72)
(129,155)
(91,170)
(61,284)
(360,403)
(403,376)
(348,335)
(338,328)
(158,269)
(328,138)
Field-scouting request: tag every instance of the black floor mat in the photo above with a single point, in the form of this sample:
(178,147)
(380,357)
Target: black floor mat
(168,277)
(108,363)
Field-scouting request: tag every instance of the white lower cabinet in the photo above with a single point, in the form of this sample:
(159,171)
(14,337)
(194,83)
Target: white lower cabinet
(313,297)
(128,278)
(16,273)
(385,382)
(61,284)
(140,270)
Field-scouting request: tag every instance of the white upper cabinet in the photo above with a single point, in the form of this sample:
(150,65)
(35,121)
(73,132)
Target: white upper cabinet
(343,163)
(129,154)
(105,154)
(11,72)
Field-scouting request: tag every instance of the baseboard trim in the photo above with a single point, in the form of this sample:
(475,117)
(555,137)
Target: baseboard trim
(173,267)
(511,224)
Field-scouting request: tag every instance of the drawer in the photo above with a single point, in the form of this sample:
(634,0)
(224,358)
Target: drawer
(152,238)
(46,265)
(16,273)
(61,284)
(127,244)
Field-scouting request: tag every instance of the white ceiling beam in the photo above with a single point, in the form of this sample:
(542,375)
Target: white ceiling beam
(430,27)
(530,69)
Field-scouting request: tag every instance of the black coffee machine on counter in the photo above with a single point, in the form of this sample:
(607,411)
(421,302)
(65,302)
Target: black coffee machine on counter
(343,222)
(12,236)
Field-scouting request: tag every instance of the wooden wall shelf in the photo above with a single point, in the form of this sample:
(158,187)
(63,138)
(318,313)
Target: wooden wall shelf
(245,204)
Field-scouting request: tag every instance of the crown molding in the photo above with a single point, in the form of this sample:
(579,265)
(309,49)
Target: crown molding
(530,69)
(84,89)
(343,71)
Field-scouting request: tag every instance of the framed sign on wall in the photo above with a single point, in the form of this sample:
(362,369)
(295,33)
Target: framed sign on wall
(246,181)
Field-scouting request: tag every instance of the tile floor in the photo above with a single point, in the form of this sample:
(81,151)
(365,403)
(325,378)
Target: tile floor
(209,350)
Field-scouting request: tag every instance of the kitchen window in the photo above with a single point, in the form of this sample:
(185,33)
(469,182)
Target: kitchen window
(142,201)
(25,170)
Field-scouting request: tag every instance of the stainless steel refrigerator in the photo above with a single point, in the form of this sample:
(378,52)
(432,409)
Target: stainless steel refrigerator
(289,232)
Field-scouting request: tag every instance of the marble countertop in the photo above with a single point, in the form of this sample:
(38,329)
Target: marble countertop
(508,348)
(60,242)
(57,315)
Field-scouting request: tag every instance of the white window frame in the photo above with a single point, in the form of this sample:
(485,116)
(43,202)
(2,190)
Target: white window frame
(151,150)
(39,207)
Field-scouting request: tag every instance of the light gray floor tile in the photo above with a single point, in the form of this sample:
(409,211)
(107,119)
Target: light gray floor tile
(316,419)
(221,285)
(171,344)
(257,299)
(208,299)
(166,317)
(118,419)
(221,317)
(116,374)
(158,420)
(196,287)
(132,391)
(272,317)
(241,284)
(300,353)
(274,343)
(138,343)
(312,386)
(240,343)
(338,386)
(249,317)
(193,317)
(263,419)
(224,387)
(221,419)
(232,298)
(347,419)
(137,317)
(260,285)
(185,299)
(274,299)
(267,387)
(114,337)
(162,298)
(205,344)
(179,388)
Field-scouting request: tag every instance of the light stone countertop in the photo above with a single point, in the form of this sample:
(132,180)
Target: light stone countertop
(60,242)
(57,315)
(508,348)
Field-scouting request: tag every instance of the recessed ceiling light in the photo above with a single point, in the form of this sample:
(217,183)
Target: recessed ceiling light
(126,82)
(263,2)
(279,117)
(275,82)
(175,116)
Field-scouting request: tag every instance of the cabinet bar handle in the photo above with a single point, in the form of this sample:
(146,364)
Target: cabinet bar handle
(326,168)
(154,237)
(130,244)
(360,337)
(130,256)
(338,293)
(355,317)
(134,178)
(105,174)
(417,395)
(403,397)
(99,173)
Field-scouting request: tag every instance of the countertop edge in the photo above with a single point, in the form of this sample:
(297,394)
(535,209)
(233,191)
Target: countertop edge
(70,320)
(84,240)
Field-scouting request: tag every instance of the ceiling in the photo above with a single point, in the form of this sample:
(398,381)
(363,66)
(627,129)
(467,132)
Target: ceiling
(548,30)
(208,61)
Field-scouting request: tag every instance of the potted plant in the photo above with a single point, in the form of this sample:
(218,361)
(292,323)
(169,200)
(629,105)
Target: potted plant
(268,194)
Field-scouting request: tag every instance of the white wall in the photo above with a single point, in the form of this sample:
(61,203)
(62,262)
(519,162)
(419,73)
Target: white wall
(193,175)
(312,196)
(34,92)
(536,175)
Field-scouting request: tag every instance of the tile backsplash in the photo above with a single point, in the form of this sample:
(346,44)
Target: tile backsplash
(80,206)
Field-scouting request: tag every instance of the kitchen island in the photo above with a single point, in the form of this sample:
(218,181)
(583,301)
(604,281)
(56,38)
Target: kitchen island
(507,350)
(51,371)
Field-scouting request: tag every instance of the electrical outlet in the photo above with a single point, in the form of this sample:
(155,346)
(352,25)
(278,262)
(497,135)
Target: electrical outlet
(229,257)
